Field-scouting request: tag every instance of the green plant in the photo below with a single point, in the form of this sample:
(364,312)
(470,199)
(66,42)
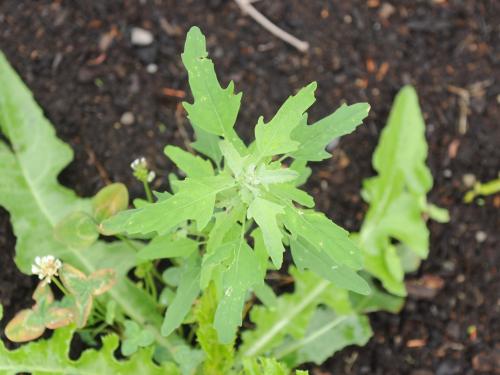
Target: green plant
(215,235)
(482,188)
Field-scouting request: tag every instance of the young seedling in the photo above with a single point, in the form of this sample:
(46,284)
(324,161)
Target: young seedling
(482,189)
(208,220)
(229,219)
(29,324)
(84,288)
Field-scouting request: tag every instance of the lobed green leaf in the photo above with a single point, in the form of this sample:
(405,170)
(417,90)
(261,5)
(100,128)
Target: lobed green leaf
(314,138)
(51,356)
(396,194)
(214,109)
(274,138)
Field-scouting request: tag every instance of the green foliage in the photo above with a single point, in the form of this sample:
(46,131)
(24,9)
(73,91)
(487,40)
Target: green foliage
(267,366)
(77,230)
(249,187)
(84,288)
(397,195)
(135,338)
(305,320)
(314,138)
(32,159)
(51,356)
(274,138)
(214,109)
(109,200)
(482,188)
(30,324)
(223,224)
(219,357)
(187,291)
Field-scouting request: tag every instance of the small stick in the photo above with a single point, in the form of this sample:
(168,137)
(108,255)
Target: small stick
(463,106)
(179,120)
(100,169)
(249,9)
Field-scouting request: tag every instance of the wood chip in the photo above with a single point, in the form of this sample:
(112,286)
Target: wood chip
(108,38)
(384,68)
(167,91)
(416,343)
(370,65)
(453,148)
(427,287)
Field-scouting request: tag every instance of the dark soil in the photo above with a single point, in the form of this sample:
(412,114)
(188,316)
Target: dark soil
(360,51)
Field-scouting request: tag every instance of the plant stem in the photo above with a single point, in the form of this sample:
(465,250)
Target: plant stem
(101,310)
(295,345)
(99,329)
(285,320)
(283,158)
(147,189)
(61,287)
(127,242)
(151,284)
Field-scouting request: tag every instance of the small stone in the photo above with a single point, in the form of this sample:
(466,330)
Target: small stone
(386,10)
(152,68)
(127,118)
(449,266)
(448,368)
(469,180)
(481,236)
(141,37)
(447,173)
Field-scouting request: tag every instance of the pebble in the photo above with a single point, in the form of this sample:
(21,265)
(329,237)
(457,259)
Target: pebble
(469,180)
(152,68)
(332,144)
(481,236)
(141,37)
(449,266)
(448,368)
(447,173)
(386,10)
(127,118)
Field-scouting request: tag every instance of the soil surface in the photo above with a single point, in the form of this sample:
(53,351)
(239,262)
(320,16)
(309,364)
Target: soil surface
(106,101)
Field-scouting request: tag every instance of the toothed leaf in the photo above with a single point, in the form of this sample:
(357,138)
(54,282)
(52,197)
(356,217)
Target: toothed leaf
(52,356)
(274,138)
(191,165)
(214,109)
(314,138)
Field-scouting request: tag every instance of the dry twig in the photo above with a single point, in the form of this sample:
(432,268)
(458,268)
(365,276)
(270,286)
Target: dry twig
(477,89)
(247,7)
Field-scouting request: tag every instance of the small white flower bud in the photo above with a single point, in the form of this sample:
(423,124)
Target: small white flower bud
(151,176)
